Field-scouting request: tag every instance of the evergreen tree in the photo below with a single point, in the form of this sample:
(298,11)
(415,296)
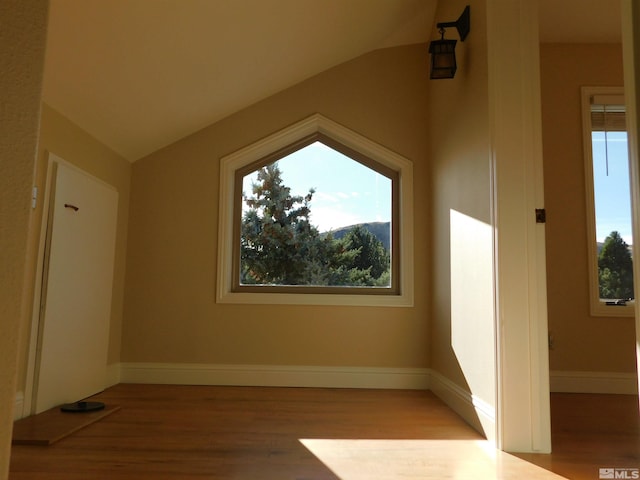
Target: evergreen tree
(273,230)
(371,256)
(280,246)
(615,268)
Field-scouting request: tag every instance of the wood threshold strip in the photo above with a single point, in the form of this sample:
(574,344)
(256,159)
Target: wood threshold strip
(52,425)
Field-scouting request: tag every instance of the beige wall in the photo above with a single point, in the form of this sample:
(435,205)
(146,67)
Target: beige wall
(60,136)
(22,47)
(581,342)
(170,313)
(462,332)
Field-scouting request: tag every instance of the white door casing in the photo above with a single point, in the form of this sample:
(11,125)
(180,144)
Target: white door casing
(524,423)
(630,48)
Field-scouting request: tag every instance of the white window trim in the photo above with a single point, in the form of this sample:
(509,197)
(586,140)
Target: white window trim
(598,308)
(260,149)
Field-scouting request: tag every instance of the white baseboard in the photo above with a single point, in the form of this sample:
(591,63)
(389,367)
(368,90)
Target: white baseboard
(593,382)
(474,410)
(19,406)
(275,375)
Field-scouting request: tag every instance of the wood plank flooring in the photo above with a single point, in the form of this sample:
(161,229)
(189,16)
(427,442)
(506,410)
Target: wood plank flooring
(589,432)
(200,432)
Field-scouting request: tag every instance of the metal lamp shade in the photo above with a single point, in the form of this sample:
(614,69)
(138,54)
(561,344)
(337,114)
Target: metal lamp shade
(443,58)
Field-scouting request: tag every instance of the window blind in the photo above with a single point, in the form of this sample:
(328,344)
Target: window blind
(608,113)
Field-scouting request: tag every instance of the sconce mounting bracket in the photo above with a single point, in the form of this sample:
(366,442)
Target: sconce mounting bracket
(463,24)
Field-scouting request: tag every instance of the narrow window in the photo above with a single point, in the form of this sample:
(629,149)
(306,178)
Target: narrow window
(609,202)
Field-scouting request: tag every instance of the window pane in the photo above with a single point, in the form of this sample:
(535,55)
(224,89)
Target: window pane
(613,214)
(316,218)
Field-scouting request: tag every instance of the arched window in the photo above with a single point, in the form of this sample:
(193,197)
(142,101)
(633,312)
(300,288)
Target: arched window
(316,214)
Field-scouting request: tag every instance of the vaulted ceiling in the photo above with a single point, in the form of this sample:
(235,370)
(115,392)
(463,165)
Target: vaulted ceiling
(140,74)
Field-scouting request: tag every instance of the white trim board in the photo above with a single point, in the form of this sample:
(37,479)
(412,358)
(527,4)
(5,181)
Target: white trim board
(275,375)
(593,382)
(474,410)
(18,409)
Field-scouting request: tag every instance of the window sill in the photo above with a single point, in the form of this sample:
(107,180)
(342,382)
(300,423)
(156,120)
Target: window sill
(404,300)
(601,309)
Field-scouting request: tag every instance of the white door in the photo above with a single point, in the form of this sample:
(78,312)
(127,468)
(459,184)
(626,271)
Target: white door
(77,284)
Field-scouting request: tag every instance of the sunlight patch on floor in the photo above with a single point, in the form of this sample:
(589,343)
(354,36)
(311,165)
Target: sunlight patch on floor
(421,459)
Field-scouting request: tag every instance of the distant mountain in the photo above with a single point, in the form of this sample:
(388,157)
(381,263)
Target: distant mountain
(381,230)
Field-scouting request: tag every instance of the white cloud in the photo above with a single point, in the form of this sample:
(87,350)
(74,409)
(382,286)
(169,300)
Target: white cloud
(331,219)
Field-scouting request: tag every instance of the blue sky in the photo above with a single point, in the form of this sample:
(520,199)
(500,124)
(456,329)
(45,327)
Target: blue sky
(346,192)
(613,200)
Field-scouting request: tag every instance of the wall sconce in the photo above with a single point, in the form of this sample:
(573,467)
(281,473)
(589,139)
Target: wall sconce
(443,52)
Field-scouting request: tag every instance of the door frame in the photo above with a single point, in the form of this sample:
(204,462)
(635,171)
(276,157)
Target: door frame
(34,331)
(630,13)
(523,419)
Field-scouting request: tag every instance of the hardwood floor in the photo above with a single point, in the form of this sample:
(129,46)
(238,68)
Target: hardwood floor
(184,432)
(590,432)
